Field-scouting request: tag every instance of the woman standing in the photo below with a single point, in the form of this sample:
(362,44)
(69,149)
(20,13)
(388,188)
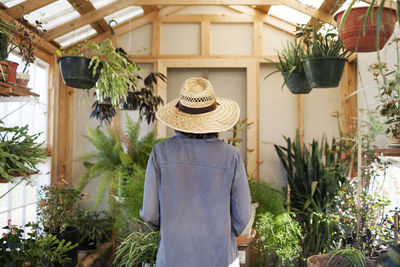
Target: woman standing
(196,191)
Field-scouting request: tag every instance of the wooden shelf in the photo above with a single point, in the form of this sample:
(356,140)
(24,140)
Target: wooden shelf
(389,152)
(9,89)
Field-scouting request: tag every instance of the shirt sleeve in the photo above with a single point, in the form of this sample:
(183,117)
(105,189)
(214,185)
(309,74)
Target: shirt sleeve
(240,198)
(150,211)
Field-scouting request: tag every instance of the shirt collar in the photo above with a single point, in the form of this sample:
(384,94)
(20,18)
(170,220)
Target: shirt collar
(181,135)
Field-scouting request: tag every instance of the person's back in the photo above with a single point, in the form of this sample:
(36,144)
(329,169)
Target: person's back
(196,193)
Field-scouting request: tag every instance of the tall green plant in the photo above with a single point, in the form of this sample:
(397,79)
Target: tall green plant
(315,173)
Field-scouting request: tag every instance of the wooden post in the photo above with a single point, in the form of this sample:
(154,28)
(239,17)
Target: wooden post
(205,38)
(300,119)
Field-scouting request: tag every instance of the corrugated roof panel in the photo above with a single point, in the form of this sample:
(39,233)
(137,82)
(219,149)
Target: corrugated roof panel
(314,3)
(288,14)
(10,3)
(125,14)
(53,15)
(79,34)
(100,3)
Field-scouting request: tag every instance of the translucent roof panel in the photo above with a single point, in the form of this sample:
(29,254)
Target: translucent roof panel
(356,4)
(10,3)
(125,14)
(79,34)
(288,14)
(54,14)
(313,3)
(100,3)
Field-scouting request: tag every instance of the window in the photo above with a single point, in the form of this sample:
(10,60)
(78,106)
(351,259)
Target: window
(19,205)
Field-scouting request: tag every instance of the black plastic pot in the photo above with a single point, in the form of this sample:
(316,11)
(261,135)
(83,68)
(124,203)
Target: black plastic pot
(297,82)
(87,244)
(71,234)
(128,104)
(324,72)
(76,73)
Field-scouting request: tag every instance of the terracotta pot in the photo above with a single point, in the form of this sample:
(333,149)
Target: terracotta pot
(12,70)
(4,71)
(352,31)
(23,79)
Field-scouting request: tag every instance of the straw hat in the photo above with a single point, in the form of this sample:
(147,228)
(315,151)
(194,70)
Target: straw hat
(198,110)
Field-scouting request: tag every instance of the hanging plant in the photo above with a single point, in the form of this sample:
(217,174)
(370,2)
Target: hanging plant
(144,99)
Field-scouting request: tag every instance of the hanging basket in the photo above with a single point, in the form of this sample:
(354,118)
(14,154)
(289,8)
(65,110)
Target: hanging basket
(76,73)
(297,82)
(324,72)
(352,34)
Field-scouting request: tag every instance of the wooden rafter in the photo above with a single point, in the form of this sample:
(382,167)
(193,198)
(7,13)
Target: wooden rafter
(85,19)
(45,46)
(270,20)
(26,7)
(321,14)
(205,2)
(264,9)
(85,7)
(329,6)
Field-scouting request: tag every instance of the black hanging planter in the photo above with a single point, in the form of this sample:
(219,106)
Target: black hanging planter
(71,234)
(297,82)
(87,244)
(324,72)
(128,104)
(76,73)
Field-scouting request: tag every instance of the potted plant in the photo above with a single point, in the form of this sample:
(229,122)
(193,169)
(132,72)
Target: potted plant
(343,257)
(325,56)
(102,109)
(94,227)
(28,41)
(291,67)
(56,211)
(8,31)
(358,27)
(19,152)
(32,250)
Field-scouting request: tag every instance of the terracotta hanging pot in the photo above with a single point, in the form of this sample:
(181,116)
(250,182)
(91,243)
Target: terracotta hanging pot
(352,31)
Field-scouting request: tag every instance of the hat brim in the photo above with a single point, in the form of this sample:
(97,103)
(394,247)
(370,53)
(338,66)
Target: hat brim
(223,118)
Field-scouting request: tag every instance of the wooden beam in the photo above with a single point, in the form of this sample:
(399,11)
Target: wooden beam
(156,39)
(253,111)
(26,7)
(257,37)
(349,104)
(300,119)
(329,6)
(53,81)
(84,7)
(148,9)
(236,61)
(306,9)
(85,19)
(46,46)
(213,18)
(205,38)
(264,9)
(270,20)
(161,90)
(205,2)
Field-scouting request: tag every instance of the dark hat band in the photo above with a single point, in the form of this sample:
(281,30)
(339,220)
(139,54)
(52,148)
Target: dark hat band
(201,110)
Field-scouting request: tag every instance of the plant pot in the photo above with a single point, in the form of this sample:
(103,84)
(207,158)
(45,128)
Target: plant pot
(102,99)
(324,72)
(297,82)
(23,79)
(76,73)
(352,30)
(87,244)
(70,234)
(11,68)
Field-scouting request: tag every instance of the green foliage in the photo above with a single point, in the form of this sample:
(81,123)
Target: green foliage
(138,247)
(270,199)
(56,205)
(35,250)
(279,236)
(8,31)
(315,175)
(320,44)
(354,256)
(93,225)
(19,152)
(118,72)
(290,58)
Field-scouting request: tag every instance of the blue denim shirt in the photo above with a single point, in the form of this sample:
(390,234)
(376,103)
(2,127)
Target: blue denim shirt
(196,192)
